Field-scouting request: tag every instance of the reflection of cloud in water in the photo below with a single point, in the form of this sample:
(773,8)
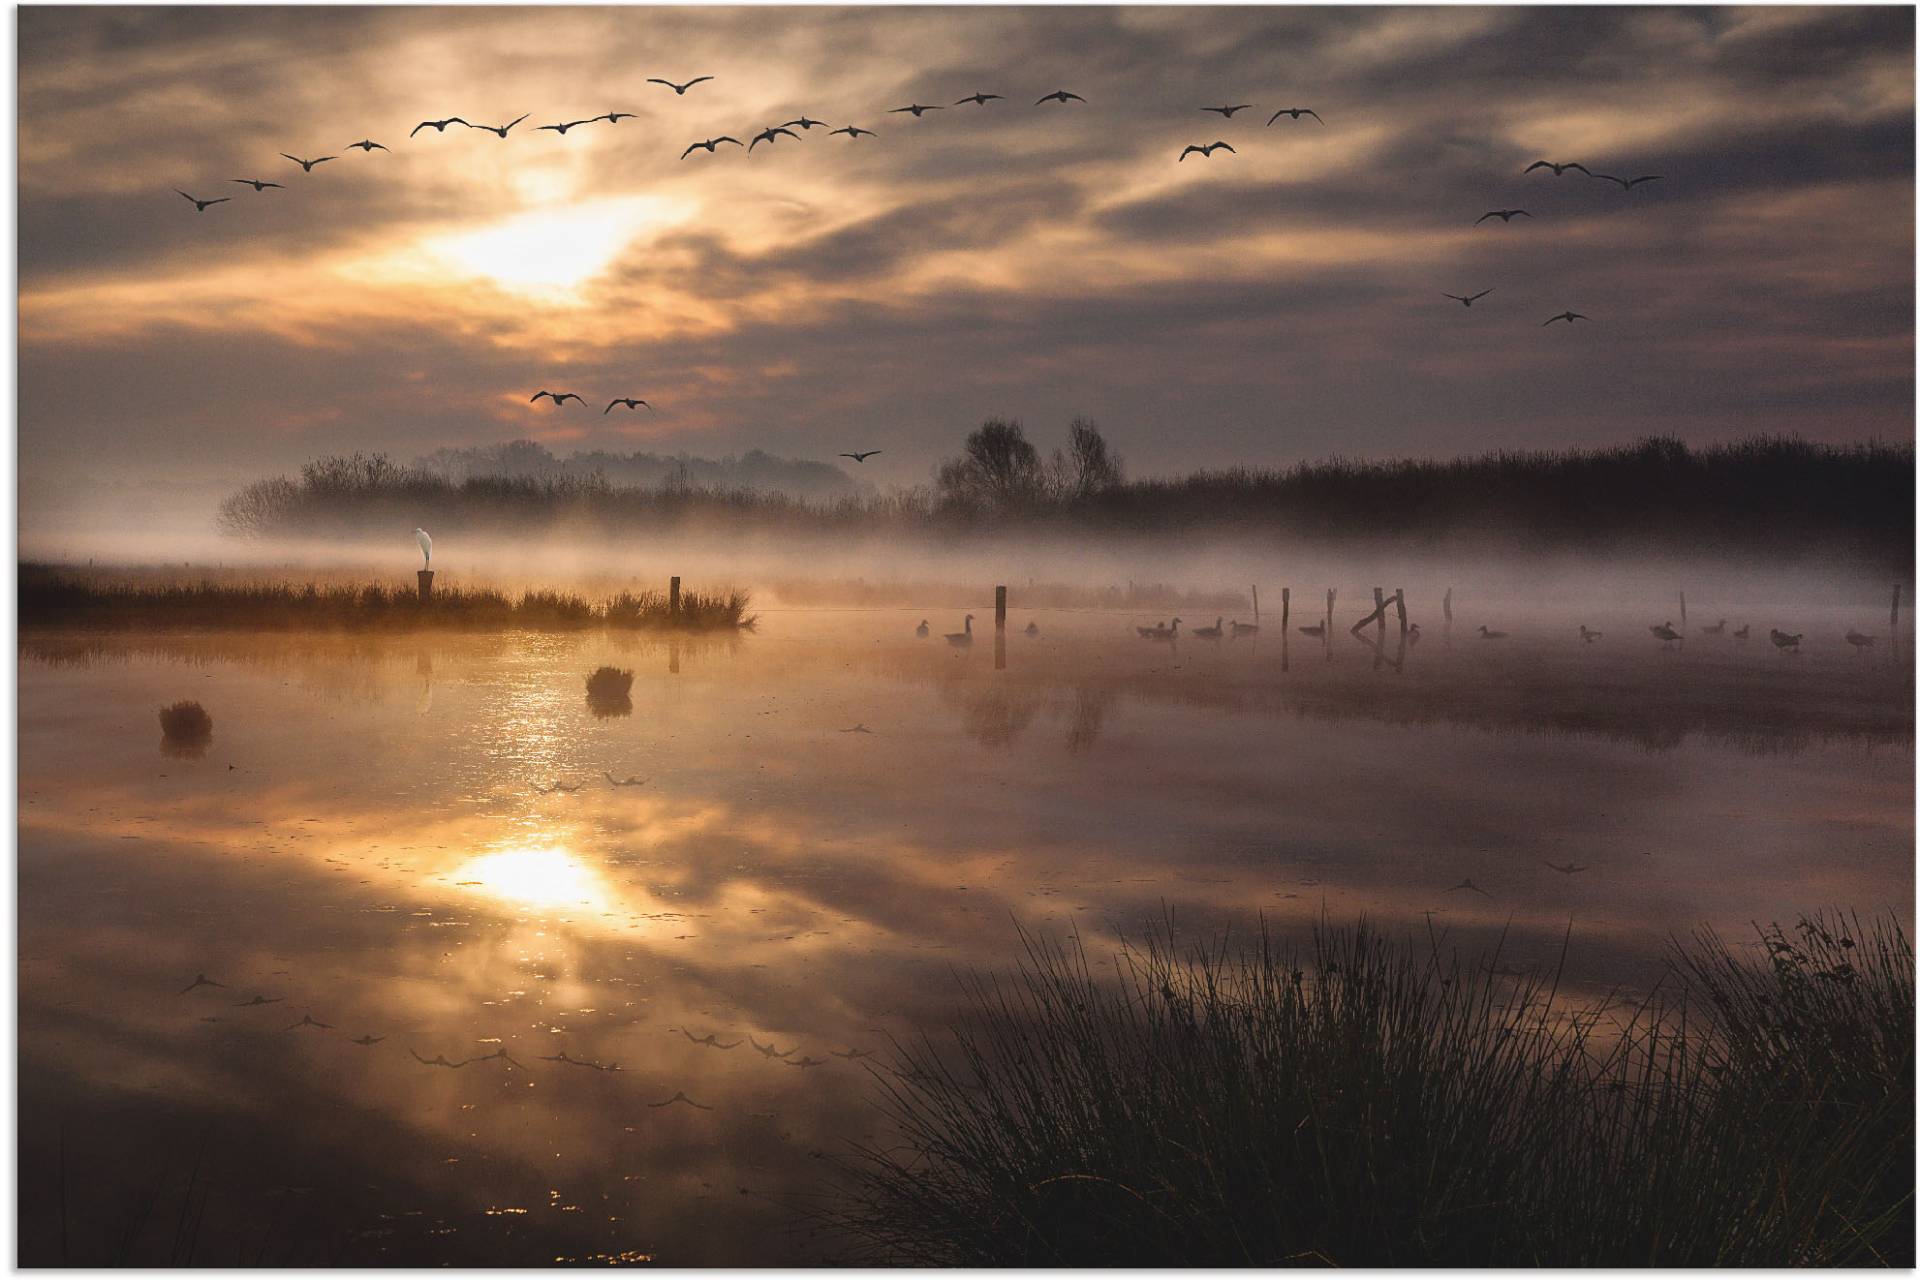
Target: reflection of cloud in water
(541,878)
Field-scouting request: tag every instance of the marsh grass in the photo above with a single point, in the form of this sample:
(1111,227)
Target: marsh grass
(186,721)
(1378,1104)
(49,597)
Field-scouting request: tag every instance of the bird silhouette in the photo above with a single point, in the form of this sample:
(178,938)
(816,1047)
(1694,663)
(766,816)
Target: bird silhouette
(561,129)
(711,1040)
(368,1039)
(1032,629)
(306,166)
(1505,215)
(564,788)
(770,135)
(1062,97)
(1228,111)
(805,123)
(915,108)
(439,1060)
(1666,634)
(1744,631)
(978,99)
(200,980)
(1468,301)
(1209,633)
(255,183)
(854,131)
(307,1020)
(1588,636)
(1207,151)
(806,1062)
(577,1062)
(1165,633)
(440,126)
(257,1001)
(863,455)
(1558,169)
(1568,870)
(711,145)
(1295,112)
(1568,316)
(1469,884)
(680,1097)
(1413,634)
(858,728)
(1492,635)
(615,117)
(1317,630)
(961,639)
(1245,628)
(632,402)
(1781,640)
(1718,628)
(632,780)
(557,399)
(426,546)
(498,130)
(200,206)
(768,1050)
(367,145)
(678,88)
(1859,641)
(1627,184)
(852,1054)
(499,1055)
(923,630)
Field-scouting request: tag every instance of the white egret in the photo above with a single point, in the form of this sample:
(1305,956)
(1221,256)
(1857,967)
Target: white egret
(426,545)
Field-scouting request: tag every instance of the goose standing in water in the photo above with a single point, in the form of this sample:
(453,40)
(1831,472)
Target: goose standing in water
(1245,628)
(1783,641)
(1317,630)
(1858,641)
(1744,631)
(1033,629)
(961,639)
(1166,633)
(1492,635)
(1587,634)
(1413,634)
(923,630)
(1146,633)
(1718,628)
(1209,633)
(1666,634)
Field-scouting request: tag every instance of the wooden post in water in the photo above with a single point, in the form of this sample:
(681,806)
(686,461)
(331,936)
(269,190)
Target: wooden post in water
(1256,604)
(1286,608)
(1380,613)
(1329,612)
(1400,603)
(1893,619)
(673,602)
(1446,606)
(426,585)
(1683,613)
(999,608)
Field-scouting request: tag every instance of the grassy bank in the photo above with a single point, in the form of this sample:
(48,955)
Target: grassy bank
(1379,1104)
(1785,499)
(53,598)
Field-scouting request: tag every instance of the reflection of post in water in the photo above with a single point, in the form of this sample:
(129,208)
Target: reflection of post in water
(1397,661)
(999,651)
(1283,638)
(1446,611)
(673,656)
(423,667)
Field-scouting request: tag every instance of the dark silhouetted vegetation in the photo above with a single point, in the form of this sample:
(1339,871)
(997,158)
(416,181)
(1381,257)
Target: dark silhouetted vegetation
(186,722)
(1782,497)
(608,692)
(53,597)
(1380,1104)
(529,460)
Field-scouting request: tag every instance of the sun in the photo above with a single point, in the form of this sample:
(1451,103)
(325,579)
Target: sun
(554,249)
(537,877)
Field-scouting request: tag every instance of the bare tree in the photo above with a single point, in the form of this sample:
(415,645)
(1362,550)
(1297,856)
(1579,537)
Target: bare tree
(1087,466)
(997,467)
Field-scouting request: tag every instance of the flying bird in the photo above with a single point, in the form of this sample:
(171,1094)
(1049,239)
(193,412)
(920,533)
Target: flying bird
(1568,870)
(1505,215)
(438,126)
(561,129)
(1207,150)
(1627,184)
(438,1060)
(1228,111)
(1062,97)
(632,402)
(916,108)
(498,130)
(979,99)
(768,135)
(768,1050)
(255,183)
(615,117)
(367,145)
(711,145)
(426,544)
(854,131)
(805,123)
(678,88)
(1469,301)
(632,780)
(200,206)
(200,980)
(858,728)
(806,1062)
(307,1020)
(306,166)
(1568,316)
(1558,169)
(368,1039)
(1295,112)
(557,399)
(863,455)
(711,1040)
(681,1096)
(1469,884)
(257,1001)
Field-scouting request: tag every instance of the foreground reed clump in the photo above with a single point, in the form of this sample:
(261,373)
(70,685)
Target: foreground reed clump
(1381,1106)
(49,597)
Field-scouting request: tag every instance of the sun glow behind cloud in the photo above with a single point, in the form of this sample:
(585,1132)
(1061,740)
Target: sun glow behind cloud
(539,878)
(553,251)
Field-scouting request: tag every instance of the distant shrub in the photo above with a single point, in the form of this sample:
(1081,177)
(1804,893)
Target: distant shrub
(609,682)
(186,724)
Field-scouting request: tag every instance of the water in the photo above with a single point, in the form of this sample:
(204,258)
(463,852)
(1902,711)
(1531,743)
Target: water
(369,840)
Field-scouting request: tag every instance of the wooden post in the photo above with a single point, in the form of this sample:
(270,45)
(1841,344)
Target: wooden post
(1329,613)
(999,651)
(1400,603)
(1380,612)
(1286,608)
(673,602)
(1446,605)
(1893,619)
(426,585)
(999,608)
(1683,611)
(1256,604)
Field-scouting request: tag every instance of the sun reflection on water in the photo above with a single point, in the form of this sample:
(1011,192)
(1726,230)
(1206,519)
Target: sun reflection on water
(534,877)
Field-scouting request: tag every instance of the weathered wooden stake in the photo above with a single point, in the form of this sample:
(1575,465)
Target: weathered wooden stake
(1400,603)
(1286,607)
(1380,611)
(1893,619)
(1446,605)
(1329,612)
(1256,604)
(426,585)
(999,651)
(1683,611)
(673,599)
(999,608)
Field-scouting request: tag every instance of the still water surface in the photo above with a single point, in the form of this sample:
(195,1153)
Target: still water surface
(374,840)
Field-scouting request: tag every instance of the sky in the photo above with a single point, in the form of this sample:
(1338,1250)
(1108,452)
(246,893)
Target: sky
(1037,261)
